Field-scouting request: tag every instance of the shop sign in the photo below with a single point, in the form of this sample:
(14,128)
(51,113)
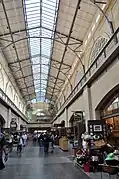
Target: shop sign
(13,124)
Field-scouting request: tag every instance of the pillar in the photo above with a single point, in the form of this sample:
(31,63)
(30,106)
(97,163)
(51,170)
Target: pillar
(66,116)
(88,106)
(9,118)
(18,123)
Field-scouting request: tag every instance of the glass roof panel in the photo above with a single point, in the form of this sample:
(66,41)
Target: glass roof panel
(40,14)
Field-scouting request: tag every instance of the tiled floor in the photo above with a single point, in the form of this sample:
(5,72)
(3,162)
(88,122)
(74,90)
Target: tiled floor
(34,165)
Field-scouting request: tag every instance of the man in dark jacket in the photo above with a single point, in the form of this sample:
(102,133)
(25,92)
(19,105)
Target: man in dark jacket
(46,140)
(2,149)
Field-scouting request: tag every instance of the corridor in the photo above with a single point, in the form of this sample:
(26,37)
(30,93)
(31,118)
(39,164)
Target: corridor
(34,165)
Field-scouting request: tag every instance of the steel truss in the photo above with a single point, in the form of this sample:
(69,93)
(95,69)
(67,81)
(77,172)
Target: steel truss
(38,27)
(34,56)
(110,24)
(8,23)
(57,37)
(67,42)
(68,67)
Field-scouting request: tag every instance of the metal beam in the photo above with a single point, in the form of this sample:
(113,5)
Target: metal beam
(40,43)
(38,73)
(68,39)
(99,2)
(38,55)
(38,27)
(56,12)
(51,81)
(37,67)
(30,37)
(10,32)
(41,84)
(33,94)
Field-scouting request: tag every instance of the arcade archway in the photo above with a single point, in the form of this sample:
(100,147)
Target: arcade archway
(109,111)
(2,121)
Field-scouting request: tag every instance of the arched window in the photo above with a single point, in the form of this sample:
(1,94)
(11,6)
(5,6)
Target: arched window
(19,105)
(16,100)
(98,46)
(112,107)
(9,91)
(1,80)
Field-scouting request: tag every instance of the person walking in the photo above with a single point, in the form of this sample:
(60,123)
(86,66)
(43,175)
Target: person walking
(46,140)
(52,141)
(10,143)
(35,137)
(24,137)
(3,149)
(41,140)
(20,143)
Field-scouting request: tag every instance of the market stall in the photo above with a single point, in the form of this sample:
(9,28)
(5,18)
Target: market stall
(96,154)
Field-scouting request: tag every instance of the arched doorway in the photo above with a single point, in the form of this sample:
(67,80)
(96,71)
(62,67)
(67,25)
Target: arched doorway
(77,123)
(2,122)
(109,112)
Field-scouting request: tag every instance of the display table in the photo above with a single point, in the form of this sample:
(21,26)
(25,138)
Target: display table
(63,143)
(111,170)
(74,151)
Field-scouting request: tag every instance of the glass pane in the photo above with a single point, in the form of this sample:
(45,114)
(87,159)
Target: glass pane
(41,15)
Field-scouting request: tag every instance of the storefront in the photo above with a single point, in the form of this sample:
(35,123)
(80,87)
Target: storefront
(2,122)
(13,125)
(77,125)
(111,116)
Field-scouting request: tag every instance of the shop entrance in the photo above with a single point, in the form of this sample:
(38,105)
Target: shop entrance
(77,125)
(110,113)
(2,122)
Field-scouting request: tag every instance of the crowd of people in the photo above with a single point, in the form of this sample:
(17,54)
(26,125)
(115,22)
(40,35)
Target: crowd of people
(44,140)
(19,140)
(8,141)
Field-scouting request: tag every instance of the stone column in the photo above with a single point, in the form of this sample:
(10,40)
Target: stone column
(18,123)
(66,118)
(88,106)
(9,117)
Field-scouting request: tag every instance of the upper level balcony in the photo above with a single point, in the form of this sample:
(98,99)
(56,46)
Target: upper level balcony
(105,57)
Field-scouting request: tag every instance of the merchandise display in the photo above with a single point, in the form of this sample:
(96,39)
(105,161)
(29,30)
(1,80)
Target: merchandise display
(97,155)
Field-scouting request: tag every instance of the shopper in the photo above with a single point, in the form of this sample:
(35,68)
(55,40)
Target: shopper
(15,138)
(39,134)
(20,144)
(2,149)
(35,137)
(52,140)
(40,140)
(24,137)
(46,140)
(10,143)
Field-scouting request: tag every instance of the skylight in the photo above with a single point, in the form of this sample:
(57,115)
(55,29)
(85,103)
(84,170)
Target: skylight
(41,21)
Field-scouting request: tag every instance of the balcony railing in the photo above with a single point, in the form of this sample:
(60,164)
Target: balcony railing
(97,63)
(6,99)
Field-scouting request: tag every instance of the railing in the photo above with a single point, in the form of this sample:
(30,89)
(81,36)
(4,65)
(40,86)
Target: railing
(6,99)
(100,59)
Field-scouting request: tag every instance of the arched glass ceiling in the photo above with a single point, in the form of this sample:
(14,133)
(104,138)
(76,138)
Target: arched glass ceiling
(42,13)
(34,40)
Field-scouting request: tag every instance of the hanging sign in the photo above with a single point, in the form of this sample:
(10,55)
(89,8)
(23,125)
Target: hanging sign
(13,124)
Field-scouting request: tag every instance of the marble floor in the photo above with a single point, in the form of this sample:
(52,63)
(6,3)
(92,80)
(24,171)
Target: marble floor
(33,164)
